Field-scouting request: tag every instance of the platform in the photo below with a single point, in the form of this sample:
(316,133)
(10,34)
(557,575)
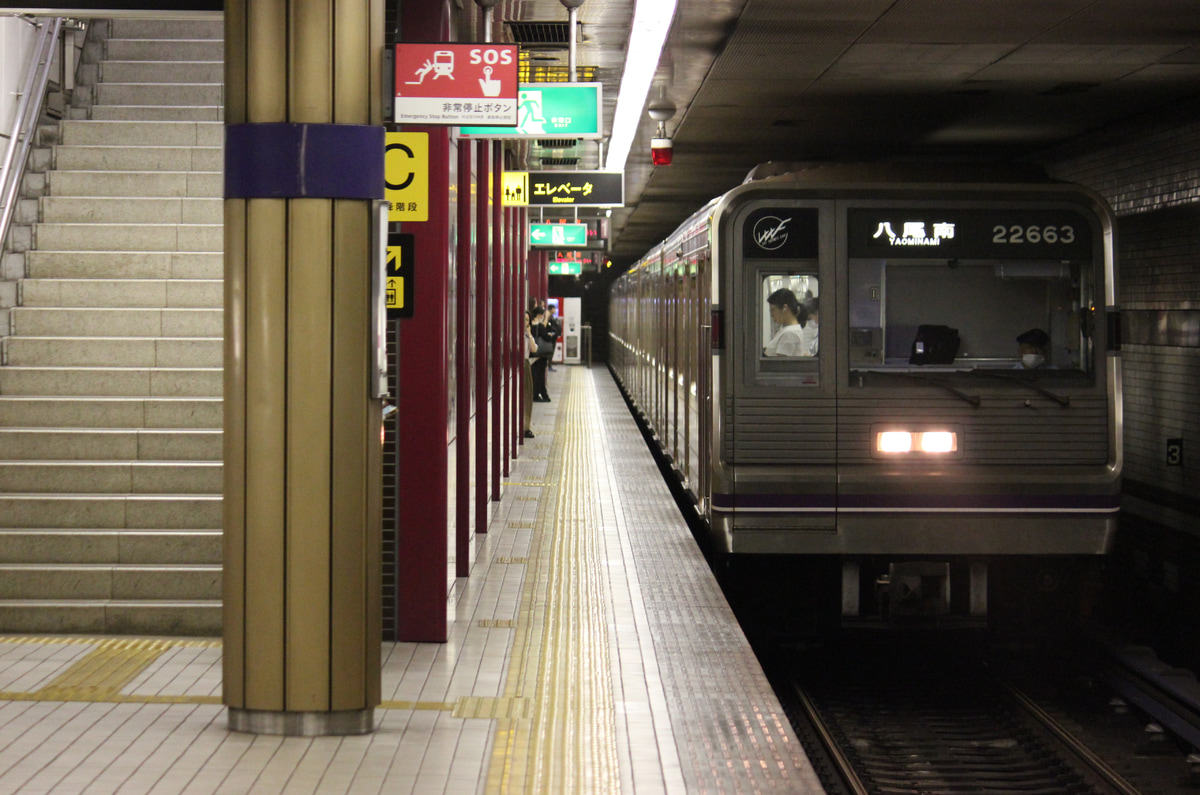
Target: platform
(591,652)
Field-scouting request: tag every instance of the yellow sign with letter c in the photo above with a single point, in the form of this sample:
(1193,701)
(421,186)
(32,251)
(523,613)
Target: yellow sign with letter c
(406,176)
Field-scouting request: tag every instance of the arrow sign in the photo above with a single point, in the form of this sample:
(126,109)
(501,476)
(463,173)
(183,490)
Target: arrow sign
(558,235)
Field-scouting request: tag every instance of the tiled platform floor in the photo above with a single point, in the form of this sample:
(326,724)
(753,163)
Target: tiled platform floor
(591,652)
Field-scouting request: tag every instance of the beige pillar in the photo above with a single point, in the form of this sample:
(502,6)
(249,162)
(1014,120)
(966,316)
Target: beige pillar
(302,430)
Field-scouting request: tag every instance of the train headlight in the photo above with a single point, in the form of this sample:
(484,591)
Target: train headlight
(938,442)
(894,442)
(935,442)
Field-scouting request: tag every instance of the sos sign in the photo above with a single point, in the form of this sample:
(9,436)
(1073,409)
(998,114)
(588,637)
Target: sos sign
(456,84)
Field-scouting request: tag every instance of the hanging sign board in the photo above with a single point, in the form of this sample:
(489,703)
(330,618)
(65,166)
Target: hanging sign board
(552,110)
(563,188)
(565,268)
(453,84)
(558,235)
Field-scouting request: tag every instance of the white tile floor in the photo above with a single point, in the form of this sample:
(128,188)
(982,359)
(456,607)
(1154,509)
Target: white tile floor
(573,664)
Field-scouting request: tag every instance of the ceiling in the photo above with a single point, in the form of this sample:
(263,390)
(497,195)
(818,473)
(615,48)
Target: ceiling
(820,80)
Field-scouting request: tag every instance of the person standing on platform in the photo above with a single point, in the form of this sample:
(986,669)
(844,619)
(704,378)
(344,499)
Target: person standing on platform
(537,326)
(554,327)
(531,348)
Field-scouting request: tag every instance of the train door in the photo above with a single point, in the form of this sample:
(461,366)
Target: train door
(704,369)
(782,410)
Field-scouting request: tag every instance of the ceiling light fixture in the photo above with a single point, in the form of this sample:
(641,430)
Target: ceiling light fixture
(651,22)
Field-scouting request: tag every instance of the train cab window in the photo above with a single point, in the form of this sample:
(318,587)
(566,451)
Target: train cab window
(984,305)
(789,316)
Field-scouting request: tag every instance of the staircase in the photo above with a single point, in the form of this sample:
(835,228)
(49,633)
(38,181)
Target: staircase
(111,384)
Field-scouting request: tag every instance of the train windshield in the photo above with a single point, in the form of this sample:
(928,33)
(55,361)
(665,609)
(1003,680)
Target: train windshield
(970,315)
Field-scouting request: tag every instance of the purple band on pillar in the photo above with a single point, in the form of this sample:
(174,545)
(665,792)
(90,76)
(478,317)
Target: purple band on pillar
(303,161)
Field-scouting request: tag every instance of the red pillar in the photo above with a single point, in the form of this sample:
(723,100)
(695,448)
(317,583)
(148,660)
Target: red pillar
(424,382)
(517,375)
(499,460)
(483,347)
(463,536)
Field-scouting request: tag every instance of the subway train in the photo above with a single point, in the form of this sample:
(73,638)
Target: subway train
(828,357)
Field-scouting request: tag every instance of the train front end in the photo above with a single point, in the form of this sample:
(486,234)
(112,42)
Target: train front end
(949,404)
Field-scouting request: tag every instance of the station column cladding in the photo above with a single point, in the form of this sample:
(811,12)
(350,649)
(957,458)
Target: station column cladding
(304,158)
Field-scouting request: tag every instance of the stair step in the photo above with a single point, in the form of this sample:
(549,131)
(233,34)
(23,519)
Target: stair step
(169,415)
(212,113)
(90,322)
(139,158)
(102,293)
(114,352)
(113,381)
(143,71)
(171,29)
(111,444)
(125,264)
(99,581)
(129,237)
(111,477)
(104,184)
(142,133)
(110,511)
(142,547)
(159,49)
(132,210)
(194,618)
(160,94)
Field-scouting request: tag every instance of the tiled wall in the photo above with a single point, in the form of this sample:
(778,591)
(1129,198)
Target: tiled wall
(1149,170)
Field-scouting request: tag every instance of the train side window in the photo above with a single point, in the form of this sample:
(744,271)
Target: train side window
(789,316)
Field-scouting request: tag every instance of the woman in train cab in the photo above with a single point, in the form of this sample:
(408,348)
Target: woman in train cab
(789,315)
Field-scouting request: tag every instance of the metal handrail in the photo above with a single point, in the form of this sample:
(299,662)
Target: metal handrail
(28,112)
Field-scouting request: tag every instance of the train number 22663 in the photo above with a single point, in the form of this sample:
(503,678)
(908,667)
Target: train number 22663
(1033,234)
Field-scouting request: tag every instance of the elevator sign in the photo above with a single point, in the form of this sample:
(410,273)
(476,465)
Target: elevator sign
(456,84)
(570,188)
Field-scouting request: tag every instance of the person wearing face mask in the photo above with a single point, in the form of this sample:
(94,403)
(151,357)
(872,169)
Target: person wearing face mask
(1032,346)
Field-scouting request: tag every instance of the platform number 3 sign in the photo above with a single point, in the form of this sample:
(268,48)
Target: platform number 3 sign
(1174,452)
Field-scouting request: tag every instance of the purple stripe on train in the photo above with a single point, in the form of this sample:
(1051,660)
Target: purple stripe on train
(964,502)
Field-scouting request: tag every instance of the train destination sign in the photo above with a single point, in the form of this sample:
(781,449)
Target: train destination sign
(552,110)
(563,188)
(558,235)
(455,84)
(922,233)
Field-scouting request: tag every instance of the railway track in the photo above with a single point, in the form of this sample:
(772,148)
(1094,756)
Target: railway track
(939,716)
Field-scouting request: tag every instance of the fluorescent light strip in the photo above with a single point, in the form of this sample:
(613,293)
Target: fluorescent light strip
(651,21)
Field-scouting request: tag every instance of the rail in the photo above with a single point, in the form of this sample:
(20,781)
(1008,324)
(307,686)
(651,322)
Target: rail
(29,110)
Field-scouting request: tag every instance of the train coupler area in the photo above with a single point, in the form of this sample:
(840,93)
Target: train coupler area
(929,592)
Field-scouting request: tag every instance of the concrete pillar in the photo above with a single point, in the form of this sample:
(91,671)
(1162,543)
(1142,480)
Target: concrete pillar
(304,160)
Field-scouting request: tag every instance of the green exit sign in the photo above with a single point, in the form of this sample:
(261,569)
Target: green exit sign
(566,268)
(558,235)
(552,110)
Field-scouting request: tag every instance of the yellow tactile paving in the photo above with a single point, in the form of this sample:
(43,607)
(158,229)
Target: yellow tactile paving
(560,659)
(102,673)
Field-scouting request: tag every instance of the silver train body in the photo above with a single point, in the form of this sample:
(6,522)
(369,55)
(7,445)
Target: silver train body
(886,444)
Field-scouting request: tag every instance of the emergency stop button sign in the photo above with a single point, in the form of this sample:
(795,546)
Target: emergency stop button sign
(456,84)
